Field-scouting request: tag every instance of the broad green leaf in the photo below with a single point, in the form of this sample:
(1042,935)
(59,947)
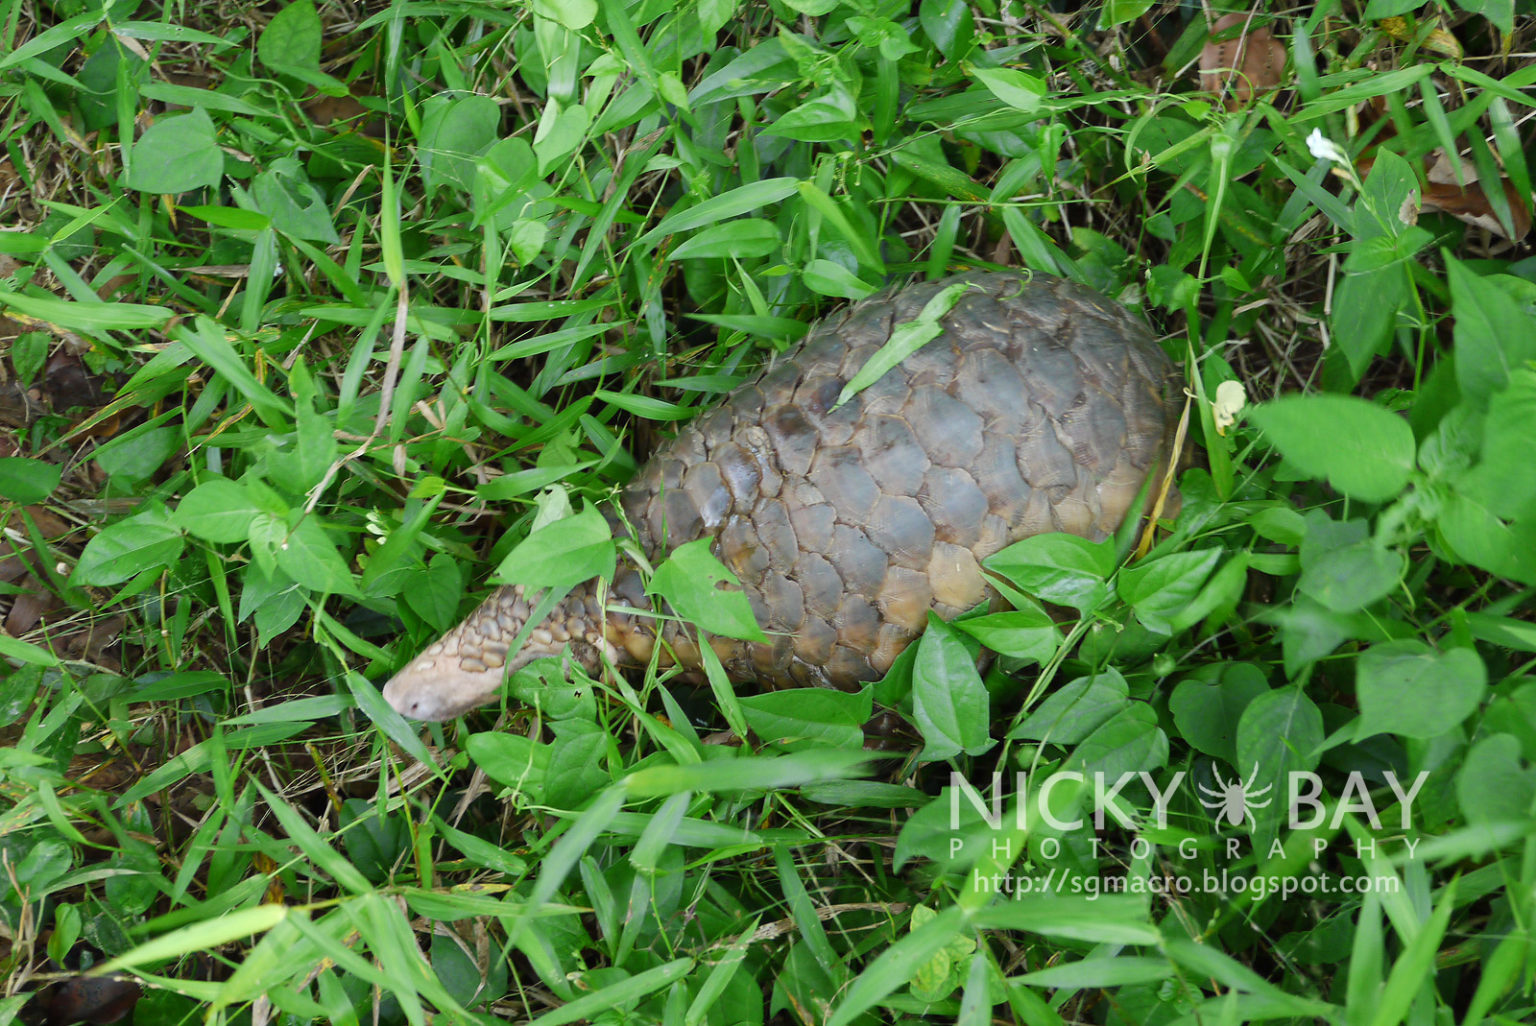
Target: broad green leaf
(511,760)
(691,579)
(563,554)
(1015,88)
(1025,633)
(1076,709)
(218,510)
(27,481)
(1482,539)
(145,541)
(1407,688)
(1161,588)
(292,38)
(308,555)
(1059,568)
(1493,785)
(454,133)
(1494,335)
(177,154)
(1343,567)
(1207,715)
(1277,734)
(1130,741)
(950,702)
(1363,450)
(835,718)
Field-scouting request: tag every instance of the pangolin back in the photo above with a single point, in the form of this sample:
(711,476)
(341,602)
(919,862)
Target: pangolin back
(1041,407)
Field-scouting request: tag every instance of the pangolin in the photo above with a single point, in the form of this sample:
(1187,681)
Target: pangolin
(1041,406)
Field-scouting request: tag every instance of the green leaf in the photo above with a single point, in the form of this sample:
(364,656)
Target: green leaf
(1407,688)
(218,510)
(26,652)
(1075,710)
(292,38)
(88,316)
(906,338)
(562,554)
(308,556)
(749,773)
(829,279)
(743,238)
(177,154)
(1277,734)
(1025,633)
(1363,450)
(1343,567)
(454,133)
(27,481)
(1161,588)
(511,760)
(1482,539)
(1015,88)
(1207,715)
(573,14)
(292,203)
(145,541)
(1494,334)
(1059,568)
(1493,785)
(834,718)
(950,702)
(691,580)
(1130,741)
(1505,478)
(746,199)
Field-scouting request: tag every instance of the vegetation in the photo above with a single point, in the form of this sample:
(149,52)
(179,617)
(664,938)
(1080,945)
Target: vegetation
(315,313)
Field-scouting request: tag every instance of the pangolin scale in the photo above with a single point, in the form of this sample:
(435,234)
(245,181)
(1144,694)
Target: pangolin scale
(1041,407)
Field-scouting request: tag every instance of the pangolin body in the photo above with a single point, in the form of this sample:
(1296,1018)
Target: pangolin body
(1041,407)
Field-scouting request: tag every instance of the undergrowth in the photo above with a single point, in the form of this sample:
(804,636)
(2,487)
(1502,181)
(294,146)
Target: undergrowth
(315,314)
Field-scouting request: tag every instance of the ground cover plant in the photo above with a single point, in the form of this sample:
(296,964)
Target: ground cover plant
(314,316)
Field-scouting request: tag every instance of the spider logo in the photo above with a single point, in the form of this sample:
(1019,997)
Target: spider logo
(1234,803)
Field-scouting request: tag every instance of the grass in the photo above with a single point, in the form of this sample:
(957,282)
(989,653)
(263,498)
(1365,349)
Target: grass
(313,314)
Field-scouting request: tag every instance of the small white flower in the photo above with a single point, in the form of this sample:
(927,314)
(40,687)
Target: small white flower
(1231,397)
(1324,148)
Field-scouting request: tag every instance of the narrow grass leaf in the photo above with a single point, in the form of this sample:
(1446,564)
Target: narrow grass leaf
(90,317)
(1414,969)
(326,858)
(617,995)
(202,937)
(746,199)
(748,773)
(893,968)
(906,339)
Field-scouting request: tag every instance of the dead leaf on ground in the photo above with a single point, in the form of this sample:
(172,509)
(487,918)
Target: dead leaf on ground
(1240,67)
(1470,203)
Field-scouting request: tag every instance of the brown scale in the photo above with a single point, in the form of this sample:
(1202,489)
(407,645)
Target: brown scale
(1042,407)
